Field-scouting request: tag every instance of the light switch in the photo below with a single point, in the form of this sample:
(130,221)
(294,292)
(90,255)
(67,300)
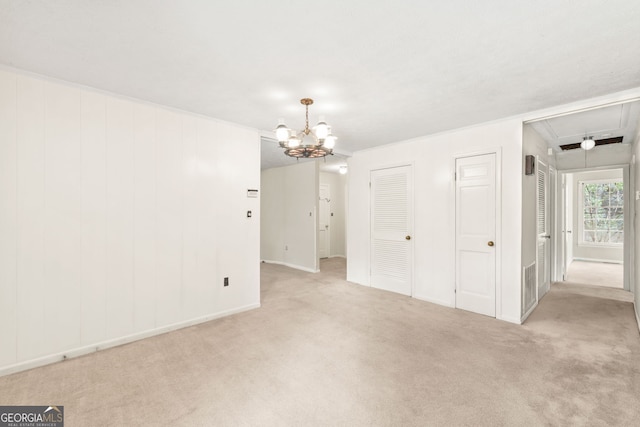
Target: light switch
(637,195)
(248,214)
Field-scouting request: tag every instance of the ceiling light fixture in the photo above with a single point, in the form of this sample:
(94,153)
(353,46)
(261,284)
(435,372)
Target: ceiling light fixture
(308,143)
(587,143)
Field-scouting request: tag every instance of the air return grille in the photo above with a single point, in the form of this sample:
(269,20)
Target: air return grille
(528,287)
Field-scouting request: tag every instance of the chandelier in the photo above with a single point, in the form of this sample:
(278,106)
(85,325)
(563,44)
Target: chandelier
(308,143)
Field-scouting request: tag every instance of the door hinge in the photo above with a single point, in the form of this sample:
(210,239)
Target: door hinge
(455,176)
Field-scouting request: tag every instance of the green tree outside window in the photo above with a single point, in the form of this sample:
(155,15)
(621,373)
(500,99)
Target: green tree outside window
(603,215)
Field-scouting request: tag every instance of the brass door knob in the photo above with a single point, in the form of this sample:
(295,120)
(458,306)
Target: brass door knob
(408,237)
(490,243)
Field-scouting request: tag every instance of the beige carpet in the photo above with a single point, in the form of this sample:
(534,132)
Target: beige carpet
(322,351)
(596,273)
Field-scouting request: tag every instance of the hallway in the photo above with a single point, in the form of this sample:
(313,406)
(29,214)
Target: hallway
(605,274)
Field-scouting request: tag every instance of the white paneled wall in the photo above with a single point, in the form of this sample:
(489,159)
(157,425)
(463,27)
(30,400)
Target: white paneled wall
(118,220)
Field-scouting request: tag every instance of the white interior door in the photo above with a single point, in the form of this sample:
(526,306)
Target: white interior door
(391,245)
(475,234)
(543,229)
(568,223)
(324,206)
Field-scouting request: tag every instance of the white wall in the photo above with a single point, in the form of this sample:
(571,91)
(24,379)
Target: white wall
(635,285)
(337,186)
(119,220)
(433,167)
(587,252)
(289,215)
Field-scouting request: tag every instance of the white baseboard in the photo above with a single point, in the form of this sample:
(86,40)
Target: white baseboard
(80,351)
(435,301)
(337,256)
(513,320)
(635,310)
(607,261)
(286,264)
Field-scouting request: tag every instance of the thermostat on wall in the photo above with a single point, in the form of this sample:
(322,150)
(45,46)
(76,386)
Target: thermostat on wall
(252,193)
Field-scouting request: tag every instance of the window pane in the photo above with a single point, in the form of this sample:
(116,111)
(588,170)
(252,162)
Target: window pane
(617,237)
(603,213)
(616,213)
(604,195)
(602,236)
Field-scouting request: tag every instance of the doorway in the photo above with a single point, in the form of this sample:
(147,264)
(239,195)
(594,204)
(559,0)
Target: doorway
(596,218)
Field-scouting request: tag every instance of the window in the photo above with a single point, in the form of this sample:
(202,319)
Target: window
(602,213)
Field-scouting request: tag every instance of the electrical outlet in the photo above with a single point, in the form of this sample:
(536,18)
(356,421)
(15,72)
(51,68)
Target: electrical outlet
(226,281)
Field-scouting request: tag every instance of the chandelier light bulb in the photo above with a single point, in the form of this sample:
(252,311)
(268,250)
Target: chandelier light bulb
(321,130)
(282,131)
(330,142)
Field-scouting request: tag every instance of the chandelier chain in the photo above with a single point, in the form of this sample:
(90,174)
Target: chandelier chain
(306,126)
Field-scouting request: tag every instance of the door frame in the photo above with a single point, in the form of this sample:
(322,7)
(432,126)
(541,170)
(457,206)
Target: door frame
(497,151)
(629,214)
(328,230)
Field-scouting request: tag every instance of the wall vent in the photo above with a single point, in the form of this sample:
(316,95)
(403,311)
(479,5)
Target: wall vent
(528,287)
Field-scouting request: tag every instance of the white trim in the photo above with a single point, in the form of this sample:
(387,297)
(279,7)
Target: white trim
(606,261)
(435,301)
(498,238)
(337,256)
(635,310)
(286,264)
(510,319)
(601,245)
(80,351)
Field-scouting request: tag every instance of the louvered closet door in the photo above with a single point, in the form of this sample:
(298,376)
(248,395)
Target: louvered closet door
(391,244)
(544,236)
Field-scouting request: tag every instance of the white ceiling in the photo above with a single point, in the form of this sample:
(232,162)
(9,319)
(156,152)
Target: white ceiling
(601,123)
(380,72)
